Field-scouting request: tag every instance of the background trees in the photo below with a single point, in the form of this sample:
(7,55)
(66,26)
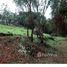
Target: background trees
(59,12)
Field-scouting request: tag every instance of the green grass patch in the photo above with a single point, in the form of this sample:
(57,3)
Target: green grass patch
(13,30)
(23,32)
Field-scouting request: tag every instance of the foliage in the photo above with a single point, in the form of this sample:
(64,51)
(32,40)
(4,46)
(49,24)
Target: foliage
(59,11)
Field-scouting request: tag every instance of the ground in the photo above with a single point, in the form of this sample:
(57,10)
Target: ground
(9,52)
(12,48)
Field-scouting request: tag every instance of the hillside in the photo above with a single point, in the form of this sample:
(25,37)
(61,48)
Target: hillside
(9,46)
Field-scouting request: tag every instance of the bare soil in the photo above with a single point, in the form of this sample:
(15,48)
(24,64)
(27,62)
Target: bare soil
(9,46)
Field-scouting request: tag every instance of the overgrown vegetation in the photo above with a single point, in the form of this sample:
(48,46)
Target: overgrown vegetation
(29,35)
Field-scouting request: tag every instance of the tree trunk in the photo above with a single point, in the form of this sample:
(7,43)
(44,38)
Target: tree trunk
(27,33)
(41,39)
(60,25)
(32,36)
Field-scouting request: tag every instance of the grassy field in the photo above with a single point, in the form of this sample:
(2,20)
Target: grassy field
(23,32)
(12,29)
(17,30)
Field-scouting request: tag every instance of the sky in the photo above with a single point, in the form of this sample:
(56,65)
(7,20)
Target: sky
(12,7)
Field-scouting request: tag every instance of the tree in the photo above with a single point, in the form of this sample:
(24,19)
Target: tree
(59,12)
(40,27)
(28,4)
(33,6)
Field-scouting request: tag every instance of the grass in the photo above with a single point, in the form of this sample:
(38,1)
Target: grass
(22,31)
(16,30)
(12,29)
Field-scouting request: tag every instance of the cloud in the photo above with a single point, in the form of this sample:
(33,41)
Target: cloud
(48,13)
(10,4)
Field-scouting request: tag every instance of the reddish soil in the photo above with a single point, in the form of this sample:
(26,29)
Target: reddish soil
(9,50)
(9,47)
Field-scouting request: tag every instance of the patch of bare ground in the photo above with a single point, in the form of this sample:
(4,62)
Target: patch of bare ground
(9,47)
(9,53)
